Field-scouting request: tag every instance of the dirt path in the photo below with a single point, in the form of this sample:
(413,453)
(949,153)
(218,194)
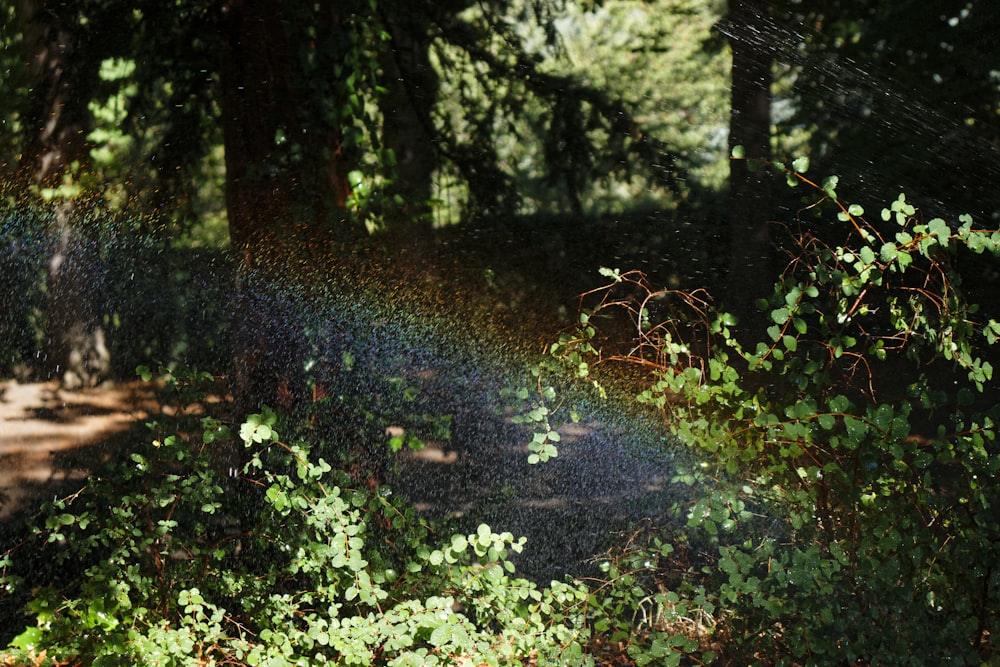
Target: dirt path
(49,436)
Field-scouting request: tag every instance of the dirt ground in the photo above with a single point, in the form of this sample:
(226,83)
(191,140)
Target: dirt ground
(49,436)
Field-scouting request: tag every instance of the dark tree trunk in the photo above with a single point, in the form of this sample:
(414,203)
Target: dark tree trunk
(284,68)
(62,73)
(412,90)
(286,179)
(751,270)
(257,98)
(255,94)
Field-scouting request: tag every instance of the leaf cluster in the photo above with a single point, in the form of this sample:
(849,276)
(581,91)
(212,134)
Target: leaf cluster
(170,559)
(849,453)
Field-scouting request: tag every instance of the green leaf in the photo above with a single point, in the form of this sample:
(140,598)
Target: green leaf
(28,640)
(857,430)
(804,409)
(739,153)
(903,260)
(867,255)
(839,404)
(614,274)
(801,164)
(830,186)
(888,252)
(780,315)
(940,229)
(883,417)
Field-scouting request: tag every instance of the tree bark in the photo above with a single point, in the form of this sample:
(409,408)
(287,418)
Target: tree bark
(412,90)
(256,100)
(62,73)
(751,270)
(286,180)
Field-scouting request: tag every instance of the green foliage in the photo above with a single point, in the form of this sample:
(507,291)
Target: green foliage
(544,406)
(662,61)
(537,414)
(13,88)
(847,71)
(850,453)
(171,561)
(653,602)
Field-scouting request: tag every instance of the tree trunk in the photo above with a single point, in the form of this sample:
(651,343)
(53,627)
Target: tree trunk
(751,271)
(283,68)
(61,76)
(256,100)
(412,90)
(286,179)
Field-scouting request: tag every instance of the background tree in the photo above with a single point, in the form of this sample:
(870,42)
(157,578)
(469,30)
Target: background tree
(313,107)
(61,63)
(416,110)
(905,88)
(751,272)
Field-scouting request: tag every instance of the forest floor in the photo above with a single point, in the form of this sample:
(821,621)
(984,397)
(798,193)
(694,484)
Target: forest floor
(569,508)
(49,438)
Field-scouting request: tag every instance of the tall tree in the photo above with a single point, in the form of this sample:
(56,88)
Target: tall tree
(750,277)
(292,80)
(903,96)
(412,86)
(62,61)
(311,94)
(312,99)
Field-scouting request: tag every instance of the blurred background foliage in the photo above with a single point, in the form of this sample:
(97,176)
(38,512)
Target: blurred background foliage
(577,133)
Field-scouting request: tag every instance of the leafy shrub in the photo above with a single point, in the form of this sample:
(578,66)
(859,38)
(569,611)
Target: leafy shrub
(848,456)
(170,560)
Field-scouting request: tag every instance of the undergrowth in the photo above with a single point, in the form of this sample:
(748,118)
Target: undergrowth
(845,506)
(170,557)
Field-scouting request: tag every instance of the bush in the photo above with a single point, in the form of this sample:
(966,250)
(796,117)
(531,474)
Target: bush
(166,559)
(848,458)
